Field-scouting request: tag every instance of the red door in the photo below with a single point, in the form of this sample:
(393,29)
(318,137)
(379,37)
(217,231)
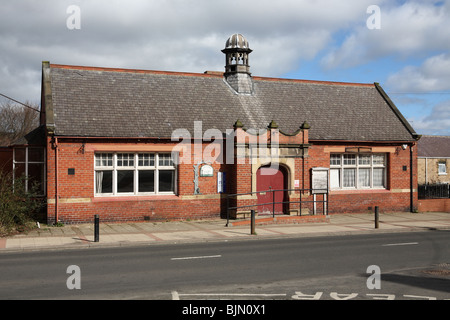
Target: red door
(268,178)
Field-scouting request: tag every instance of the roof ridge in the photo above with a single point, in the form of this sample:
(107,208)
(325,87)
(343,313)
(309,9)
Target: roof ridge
(341,83)
(208,74)
(111,69)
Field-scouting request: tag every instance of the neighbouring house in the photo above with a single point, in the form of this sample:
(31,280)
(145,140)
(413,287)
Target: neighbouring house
(433,159)
(133,145)
(433,173)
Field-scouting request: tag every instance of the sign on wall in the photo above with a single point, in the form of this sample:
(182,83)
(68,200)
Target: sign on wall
(206,171)
(320,181)
(221,182)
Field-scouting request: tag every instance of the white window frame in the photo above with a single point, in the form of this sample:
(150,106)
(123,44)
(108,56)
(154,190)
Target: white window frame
(339,162)
(440,171)
(132,164)
(26,163)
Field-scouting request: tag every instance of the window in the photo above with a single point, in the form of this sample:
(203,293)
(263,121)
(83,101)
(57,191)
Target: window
(441,168)
(134,174)
(104,173)
(357,171)
(30,163)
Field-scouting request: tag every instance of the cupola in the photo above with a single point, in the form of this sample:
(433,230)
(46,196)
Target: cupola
(237,68)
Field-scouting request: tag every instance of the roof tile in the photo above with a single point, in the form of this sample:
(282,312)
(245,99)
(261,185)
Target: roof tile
(99,102)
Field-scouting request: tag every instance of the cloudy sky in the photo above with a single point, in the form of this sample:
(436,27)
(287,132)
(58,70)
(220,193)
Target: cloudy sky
(403,45)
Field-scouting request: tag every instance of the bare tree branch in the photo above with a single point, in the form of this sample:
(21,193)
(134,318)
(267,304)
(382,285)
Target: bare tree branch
(16,121)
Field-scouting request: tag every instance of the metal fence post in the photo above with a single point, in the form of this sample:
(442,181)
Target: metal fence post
(228,210)
(376,217)
(273,203)
(252,231)
(96,228)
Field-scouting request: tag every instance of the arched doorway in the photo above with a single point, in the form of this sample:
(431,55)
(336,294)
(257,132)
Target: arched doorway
(271,178)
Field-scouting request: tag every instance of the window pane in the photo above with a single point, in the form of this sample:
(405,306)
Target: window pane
(103,160)
(125,181)
(146,181)
(335,178)
(364,160)
(19,154)
(165,159)
(349,177)
(364,177)
(19,176)
(146,160)
(349,159)
(19,170)
(378,177)
(378,159)
(125,160)
(335,160)
(103,181)
(166,180)
(36,154)
(442,168)
(36,177)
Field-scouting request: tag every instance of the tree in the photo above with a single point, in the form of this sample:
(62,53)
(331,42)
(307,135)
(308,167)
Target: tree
(16,121)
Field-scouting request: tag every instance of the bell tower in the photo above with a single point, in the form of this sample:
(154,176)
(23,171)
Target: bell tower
(237,68)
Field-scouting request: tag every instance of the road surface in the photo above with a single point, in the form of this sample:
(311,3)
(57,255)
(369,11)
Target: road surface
(403,265)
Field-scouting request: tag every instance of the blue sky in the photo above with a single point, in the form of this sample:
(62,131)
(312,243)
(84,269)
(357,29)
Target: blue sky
(409,55)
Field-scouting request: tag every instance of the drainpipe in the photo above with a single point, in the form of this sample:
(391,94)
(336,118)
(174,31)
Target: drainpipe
(411,184)
(56,180)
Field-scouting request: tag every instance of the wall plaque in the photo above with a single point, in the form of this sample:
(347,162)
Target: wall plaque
(206,171)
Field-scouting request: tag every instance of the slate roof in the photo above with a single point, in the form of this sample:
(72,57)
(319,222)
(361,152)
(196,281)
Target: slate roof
(34,137)
(100,102)
(434,146)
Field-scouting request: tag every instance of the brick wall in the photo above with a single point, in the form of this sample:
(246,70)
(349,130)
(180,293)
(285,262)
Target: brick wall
(434,205)
(76,201)
(396,197)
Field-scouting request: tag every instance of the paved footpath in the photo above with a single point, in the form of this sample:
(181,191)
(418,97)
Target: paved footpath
(147,233)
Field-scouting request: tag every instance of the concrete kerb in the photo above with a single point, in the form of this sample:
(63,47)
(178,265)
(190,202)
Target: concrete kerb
(149,233)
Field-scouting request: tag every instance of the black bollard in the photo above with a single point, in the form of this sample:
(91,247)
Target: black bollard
(376,217)
(96,228)
(253,222)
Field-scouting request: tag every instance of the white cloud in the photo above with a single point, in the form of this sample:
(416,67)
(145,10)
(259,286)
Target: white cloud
(181,35)
(426,83)
(165,35)
(432,75)
(436,123)
(414,28)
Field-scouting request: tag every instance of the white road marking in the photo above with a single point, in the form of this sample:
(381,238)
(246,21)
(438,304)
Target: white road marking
(198,257)
(400,244)
(176,295)
(419,297)
(317,296)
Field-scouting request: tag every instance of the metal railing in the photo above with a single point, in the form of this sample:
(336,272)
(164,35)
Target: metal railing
(302,192)
(434,191)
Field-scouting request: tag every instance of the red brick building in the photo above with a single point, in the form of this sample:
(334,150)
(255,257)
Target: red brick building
(154,145)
